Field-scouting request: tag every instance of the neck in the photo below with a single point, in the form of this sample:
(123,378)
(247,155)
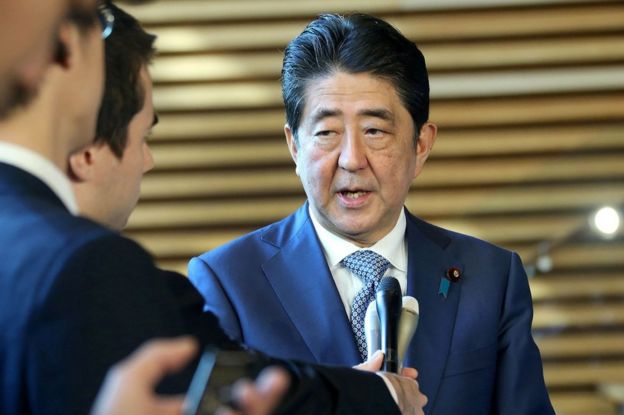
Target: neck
(38,128)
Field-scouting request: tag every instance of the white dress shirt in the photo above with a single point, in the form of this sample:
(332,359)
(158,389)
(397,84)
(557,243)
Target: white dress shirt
(392,247)
(41,168)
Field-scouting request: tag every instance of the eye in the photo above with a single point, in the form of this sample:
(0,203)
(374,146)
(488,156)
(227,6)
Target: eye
(374,132)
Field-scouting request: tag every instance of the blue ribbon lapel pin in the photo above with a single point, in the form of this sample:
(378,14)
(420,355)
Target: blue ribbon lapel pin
(453,274)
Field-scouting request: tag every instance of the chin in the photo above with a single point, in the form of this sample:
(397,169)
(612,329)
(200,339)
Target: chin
(354,232)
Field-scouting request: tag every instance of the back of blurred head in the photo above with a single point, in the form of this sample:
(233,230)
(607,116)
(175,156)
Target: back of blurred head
(28,40)
(356,43)
(64,111)
(106,174)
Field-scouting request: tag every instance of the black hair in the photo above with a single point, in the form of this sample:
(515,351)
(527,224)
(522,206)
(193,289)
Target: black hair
(355,43)
(127,50)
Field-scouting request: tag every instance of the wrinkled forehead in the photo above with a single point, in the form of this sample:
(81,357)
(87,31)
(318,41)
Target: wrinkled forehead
(350,89)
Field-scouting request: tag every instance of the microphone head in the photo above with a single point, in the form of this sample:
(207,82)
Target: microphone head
(408,323)
(388,298)
(410,304)
(390,285)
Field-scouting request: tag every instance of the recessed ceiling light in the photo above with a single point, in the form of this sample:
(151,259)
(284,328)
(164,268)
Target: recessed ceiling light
(607,220)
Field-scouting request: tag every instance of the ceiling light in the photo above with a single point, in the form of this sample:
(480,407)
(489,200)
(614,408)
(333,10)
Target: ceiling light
(607,220)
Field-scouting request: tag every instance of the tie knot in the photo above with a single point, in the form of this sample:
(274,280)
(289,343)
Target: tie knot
(367,265)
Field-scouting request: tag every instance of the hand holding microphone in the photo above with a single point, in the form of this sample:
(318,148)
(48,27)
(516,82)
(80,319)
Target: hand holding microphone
(398,327)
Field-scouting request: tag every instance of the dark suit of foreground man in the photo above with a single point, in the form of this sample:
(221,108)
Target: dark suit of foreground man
(75,297)
(357,101)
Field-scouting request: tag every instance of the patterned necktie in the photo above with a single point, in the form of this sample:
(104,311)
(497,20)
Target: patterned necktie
(369,267)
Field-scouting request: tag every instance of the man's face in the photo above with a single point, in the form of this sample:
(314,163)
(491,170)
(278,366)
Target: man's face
(356,155)
(117,183)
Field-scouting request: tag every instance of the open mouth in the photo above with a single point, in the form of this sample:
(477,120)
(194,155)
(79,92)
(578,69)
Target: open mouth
(354,198)
(353,194)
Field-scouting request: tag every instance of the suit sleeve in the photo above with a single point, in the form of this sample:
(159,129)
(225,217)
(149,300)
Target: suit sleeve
(519,372)
(107,299)
(337,390)
(217,302)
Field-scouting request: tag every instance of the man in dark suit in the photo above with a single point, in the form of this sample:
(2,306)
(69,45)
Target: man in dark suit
(77,297)
(356,94)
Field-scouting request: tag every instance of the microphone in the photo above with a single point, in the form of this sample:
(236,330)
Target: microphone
(407,325)
(388,300)
(371,329)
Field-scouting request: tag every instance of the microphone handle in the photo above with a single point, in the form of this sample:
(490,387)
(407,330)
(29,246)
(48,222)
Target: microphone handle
(389,338)
(390,364)
(391,356)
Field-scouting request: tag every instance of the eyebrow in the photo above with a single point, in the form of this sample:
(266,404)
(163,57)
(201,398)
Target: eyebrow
(325,113)
(381,113)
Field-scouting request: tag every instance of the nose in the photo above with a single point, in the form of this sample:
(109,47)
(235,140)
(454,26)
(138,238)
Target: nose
(352,153)
(148,158)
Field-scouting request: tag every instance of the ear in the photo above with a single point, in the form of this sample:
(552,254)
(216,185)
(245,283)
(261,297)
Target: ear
(292,145)
(426,139)
(66,44)
(82,164)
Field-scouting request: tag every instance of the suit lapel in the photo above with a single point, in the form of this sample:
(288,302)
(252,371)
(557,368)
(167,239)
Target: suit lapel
(301,280)
(428,261)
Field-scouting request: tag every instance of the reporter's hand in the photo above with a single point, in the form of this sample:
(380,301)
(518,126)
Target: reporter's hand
(373,364)
(260,397)
(129,385)
(410,400)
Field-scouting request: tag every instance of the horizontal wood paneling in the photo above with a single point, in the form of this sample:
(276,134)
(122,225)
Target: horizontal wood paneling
(490,113)
(453,57)
(426,27)
(581,345)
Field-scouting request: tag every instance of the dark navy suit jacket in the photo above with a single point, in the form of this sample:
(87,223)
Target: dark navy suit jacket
(473,350)
(76,298)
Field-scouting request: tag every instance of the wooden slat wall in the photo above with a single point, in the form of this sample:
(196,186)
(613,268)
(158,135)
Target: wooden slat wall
(529,97)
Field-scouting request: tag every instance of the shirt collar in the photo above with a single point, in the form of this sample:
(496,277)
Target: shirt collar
(391,246)
(41,168)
